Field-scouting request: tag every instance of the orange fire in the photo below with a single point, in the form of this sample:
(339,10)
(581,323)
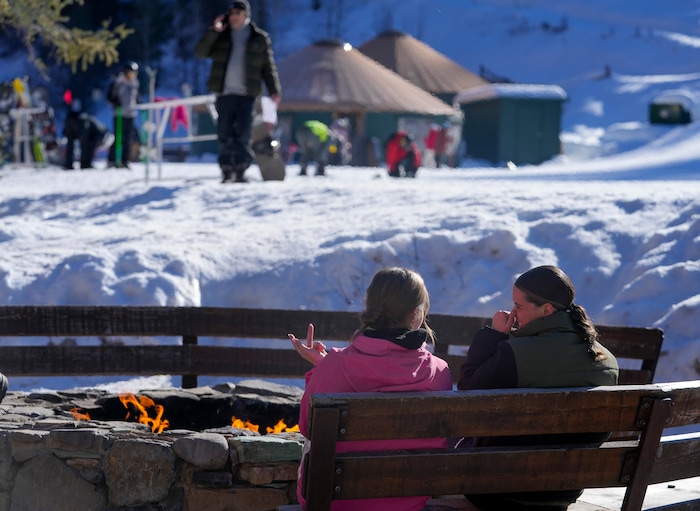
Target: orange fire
(281,427)
(79,415)
(157,424)
(278,428)
(238,423)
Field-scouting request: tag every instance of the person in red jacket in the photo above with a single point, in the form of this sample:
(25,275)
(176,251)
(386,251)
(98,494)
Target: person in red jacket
(429,141)
(441,143)
(402,155)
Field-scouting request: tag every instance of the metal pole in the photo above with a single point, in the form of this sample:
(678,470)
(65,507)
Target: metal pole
(149,128)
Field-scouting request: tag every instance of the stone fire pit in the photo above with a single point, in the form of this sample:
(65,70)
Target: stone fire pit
(50,460)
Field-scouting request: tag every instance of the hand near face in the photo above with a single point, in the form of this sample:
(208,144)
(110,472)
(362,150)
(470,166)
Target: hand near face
(220,23)
(503,321)
(312,351)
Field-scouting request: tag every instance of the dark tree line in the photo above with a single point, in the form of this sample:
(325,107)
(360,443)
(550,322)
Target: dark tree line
(159,28)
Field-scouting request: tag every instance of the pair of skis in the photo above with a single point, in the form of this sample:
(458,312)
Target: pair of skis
(24,100)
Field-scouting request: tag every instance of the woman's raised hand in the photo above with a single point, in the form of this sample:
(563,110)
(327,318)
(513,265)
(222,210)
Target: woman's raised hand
(312,351)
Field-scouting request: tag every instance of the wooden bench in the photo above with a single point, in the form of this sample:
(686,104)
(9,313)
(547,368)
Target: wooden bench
(640,347)
(650,410)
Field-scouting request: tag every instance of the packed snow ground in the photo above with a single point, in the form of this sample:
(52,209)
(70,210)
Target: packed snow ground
(630,244)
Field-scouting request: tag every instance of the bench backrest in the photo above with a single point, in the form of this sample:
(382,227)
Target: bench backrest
(642,346)
(645,409)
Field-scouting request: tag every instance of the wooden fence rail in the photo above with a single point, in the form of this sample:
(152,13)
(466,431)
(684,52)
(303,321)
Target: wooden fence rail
(642,346)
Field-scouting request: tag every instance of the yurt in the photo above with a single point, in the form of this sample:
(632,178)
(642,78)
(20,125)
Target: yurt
(331,80)
(421,65)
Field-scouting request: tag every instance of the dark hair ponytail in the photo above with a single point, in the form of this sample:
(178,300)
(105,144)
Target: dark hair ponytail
(586,329)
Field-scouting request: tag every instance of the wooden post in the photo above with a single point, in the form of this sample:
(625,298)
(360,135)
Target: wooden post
(189,381)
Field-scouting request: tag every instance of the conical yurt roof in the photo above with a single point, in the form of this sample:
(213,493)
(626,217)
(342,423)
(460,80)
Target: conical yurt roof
(331,76)
(420,64)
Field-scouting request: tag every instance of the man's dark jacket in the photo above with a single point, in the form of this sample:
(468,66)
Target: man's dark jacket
(259,60)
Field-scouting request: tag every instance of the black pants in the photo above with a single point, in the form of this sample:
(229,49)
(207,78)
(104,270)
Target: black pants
(233,129)
(127,138)
(89,132)
(88,146)
(408,164)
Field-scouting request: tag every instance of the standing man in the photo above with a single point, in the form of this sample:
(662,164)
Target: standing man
(124,97)
(242,59)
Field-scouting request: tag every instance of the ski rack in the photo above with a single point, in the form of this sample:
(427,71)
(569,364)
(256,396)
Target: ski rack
(163,110)
(22,136)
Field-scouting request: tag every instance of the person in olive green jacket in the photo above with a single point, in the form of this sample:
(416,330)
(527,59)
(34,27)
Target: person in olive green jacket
(242,59)
(545,340)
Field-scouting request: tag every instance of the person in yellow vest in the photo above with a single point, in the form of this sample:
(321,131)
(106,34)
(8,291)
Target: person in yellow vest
(313,139)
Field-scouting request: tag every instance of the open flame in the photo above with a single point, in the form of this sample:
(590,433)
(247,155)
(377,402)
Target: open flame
(238,423)
(79,415)
(157,423)
(280,427)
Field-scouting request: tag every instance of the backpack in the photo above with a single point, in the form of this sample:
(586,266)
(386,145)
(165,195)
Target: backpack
(112,92)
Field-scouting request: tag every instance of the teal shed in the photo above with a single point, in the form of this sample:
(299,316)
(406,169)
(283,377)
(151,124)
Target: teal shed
(518,123)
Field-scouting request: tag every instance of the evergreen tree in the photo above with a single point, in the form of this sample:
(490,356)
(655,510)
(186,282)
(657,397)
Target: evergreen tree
(42,22)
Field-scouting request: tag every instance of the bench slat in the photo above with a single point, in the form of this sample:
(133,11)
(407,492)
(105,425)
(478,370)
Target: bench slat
(170,321)
(631,341)
(449,414)
(491,470)
(686,403)
(678,457)
(149,360)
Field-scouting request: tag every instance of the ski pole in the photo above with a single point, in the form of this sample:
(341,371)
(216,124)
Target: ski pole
(118,137)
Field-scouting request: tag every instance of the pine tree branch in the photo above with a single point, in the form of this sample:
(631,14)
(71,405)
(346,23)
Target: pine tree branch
(41,22)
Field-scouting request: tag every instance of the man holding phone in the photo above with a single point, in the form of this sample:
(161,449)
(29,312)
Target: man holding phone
(242,59)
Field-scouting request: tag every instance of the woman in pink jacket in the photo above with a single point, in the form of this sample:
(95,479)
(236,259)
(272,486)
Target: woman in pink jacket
(387,354)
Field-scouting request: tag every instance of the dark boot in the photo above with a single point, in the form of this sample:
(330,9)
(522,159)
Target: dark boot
(240,169)
(320,170)
(226,172)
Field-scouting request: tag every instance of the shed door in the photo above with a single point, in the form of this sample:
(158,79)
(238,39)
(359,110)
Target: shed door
(537,132)
(529,144)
